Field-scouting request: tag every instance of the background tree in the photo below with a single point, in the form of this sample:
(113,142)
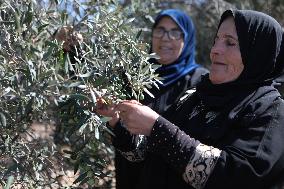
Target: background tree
(39,84)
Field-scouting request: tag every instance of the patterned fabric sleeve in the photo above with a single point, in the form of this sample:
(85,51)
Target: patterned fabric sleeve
(137,154)
(188,156)
(132,147)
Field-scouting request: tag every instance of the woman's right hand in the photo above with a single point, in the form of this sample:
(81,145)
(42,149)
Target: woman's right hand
(70,37)
(107,110)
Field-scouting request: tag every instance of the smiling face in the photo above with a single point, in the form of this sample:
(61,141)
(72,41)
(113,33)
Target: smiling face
(225,55)
(168,49)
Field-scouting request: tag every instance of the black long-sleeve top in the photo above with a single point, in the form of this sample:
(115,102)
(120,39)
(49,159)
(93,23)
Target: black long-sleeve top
(240,146)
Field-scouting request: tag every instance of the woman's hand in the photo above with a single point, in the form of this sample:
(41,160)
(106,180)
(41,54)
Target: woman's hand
(137,118)
(69,37)
(107,110)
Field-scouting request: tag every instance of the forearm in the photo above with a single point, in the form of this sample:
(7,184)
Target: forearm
(195,161)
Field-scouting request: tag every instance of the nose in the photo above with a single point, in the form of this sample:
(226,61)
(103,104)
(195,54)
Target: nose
(217,48)
(166,36)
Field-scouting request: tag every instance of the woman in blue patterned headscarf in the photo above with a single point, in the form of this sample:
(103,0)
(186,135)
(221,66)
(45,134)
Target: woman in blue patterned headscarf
(173,39)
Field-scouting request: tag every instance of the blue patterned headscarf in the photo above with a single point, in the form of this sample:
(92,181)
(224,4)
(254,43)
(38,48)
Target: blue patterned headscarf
(186,61)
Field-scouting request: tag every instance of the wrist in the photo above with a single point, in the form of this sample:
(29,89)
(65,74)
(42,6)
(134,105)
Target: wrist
(113,122)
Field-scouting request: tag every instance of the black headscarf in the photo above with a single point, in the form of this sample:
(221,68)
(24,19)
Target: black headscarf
(260,39)
(279,81)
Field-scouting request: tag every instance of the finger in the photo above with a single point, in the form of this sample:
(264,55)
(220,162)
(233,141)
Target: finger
(131,102)
(101,107)
(135,102)
(124,106)
(101,112)
(101,102)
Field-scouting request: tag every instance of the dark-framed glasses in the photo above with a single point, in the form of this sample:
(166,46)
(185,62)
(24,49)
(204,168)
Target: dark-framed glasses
(174,34)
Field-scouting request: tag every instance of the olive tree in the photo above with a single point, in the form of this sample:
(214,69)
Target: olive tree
(43,84)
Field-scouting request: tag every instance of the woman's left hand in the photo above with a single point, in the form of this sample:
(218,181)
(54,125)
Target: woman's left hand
(107,110)
(137,118)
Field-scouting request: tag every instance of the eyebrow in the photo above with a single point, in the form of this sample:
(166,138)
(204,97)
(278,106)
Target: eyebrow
(231,37)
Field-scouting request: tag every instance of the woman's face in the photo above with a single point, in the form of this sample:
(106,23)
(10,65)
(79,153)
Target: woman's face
(225,55)
(168,46)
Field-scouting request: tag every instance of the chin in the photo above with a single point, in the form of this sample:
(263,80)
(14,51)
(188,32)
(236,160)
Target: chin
(215,80)
(164,62)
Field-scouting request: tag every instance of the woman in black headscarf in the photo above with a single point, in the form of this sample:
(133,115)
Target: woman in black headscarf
(230,132)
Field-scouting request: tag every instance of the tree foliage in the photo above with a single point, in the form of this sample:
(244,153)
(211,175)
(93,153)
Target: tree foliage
(41,84)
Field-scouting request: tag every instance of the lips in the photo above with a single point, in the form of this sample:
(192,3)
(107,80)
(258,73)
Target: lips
(218,63)
(164,49)
(218,66)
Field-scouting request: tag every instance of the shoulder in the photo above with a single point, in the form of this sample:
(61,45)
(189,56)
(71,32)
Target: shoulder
(187,99)
(187,94)
(201,70)
(195,76)
(266,102)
